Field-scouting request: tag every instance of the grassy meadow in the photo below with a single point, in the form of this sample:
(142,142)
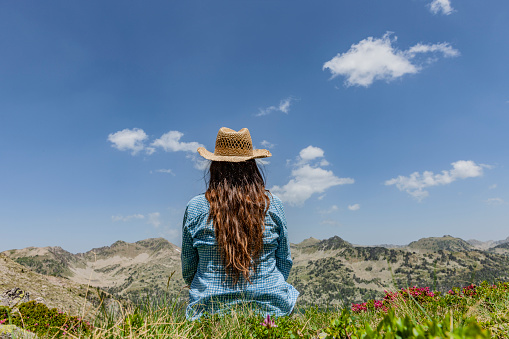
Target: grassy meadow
(417,312)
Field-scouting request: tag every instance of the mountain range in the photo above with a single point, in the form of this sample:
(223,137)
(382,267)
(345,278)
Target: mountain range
(325,272)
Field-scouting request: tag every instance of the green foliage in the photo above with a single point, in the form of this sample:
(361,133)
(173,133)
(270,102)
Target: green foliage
(407,328)
(341,327)
(394,327)
(44,265)
(43,321)
(5,315)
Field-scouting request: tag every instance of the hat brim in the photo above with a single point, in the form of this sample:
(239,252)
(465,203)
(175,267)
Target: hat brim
(257,153)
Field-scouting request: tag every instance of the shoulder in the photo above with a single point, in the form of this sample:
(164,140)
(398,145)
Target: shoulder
(198,205)
(274,199)
(275,202)
(276,206)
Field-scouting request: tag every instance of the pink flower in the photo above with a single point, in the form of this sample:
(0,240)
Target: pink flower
(268,322)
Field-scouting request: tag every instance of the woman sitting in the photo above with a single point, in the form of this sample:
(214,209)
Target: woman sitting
(235,247)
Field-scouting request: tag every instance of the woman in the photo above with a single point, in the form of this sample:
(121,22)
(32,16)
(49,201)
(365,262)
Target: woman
(235,246)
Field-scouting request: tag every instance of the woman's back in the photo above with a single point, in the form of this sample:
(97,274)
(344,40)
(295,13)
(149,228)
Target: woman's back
(211,289)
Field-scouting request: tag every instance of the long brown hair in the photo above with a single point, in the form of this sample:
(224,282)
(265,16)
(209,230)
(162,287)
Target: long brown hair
(238,204)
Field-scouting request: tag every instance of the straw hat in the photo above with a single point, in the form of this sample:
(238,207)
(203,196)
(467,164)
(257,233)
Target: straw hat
(233,146)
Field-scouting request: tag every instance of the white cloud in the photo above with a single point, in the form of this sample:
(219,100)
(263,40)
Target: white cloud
(309,153)
(376,59)
(416,182)
(153,219)
(443,6)
(168,171)
(492,187)
(324,162)
(308,179)
(134,140)
(170,143)
(354,207)
(127,218)
(128,140)
(444,48)
(284,107)
(267,144)
(495,201)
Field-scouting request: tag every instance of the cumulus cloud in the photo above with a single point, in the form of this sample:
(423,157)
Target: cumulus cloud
(129,140)
(354,207)
(416,183)
(309,153)
(376,59)
(170,142)
(127,218)
(443,6)
(284,107)
(308,178)
(134,141)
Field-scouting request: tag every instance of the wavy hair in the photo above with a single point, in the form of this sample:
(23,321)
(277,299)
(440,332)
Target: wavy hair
(238,204)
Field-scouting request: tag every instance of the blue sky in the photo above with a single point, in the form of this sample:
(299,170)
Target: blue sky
(387,120)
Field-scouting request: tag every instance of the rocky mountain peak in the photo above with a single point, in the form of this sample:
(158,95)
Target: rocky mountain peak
(333,243)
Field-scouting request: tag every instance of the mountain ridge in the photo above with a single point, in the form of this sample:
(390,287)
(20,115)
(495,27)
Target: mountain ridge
(325,271)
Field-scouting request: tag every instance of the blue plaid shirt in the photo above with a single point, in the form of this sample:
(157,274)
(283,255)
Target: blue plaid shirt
(210,289)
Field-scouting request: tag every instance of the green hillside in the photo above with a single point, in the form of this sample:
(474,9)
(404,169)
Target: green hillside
(441,243)
(344,273)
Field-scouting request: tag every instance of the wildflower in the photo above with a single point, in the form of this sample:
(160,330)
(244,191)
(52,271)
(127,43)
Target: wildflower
(268,322)
(359,307)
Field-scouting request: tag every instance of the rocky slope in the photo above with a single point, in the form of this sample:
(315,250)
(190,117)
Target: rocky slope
(56,292)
